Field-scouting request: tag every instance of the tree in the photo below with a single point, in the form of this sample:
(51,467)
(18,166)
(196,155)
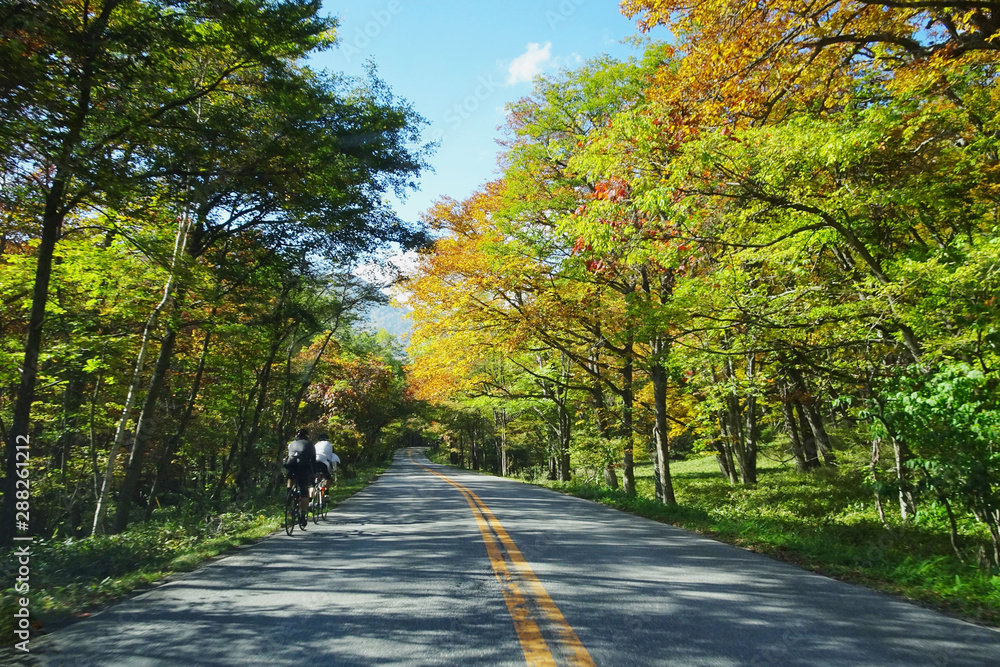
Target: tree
(98,81)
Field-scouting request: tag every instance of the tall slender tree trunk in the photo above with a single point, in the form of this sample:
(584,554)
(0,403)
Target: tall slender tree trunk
(743,444)
(180,244)
(788,413)
(235,451)
(500,425)
(103,498)
(907,503)
(246,449)
(807,437)
(603,428)
(92,428)
(661,432)
(628,431)
(724,453)
(750,426)
(563,432)
(130,485)
(170,448)
(244,446)
(874,466)
(813,417)
(21,419)
(474,447)
(68,422)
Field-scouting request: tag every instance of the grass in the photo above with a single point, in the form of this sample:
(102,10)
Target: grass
(71,576)
(824,521)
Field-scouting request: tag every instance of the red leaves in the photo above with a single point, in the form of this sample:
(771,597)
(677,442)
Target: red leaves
(612,189)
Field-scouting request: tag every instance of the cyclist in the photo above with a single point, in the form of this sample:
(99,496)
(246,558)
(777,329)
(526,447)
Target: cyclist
(300,465)
(326,460)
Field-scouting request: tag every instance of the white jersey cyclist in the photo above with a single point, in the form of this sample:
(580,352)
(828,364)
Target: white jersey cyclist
(325,455)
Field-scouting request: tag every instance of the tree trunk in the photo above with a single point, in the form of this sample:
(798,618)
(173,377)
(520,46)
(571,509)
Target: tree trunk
(661,431)
(474,445)
(68,427)
(657,484)
(122,431)
(180,244)
(610,477)
(813,417)
(748,466)
(788,412)
(565,435)
(823,444)
(874,468)
(724,449)
(628,432)
(808,439)
(907,504)
(242,481)
(500,425)
(21,418)
(748,453)
(245,447)
(92,429)
(743,445)
(143,429)
(171,447)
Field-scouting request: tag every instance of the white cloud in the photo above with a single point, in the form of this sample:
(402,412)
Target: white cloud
(529,64)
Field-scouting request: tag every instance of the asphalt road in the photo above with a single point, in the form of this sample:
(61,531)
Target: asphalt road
(435,566)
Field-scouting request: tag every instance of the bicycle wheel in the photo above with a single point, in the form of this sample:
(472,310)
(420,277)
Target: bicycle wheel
(314,506)
(324,504)
(291,511)
(320,502)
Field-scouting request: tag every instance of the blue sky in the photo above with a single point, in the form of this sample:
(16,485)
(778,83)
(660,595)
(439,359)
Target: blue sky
(460,63)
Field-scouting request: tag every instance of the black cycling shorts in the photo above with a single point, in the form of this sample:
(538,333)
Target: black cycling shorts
(323,469)
(301,474)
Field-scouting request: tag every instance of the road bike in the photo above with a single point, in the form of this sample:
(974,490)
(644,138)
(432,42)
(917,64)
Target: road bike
(293,512)
(318,504)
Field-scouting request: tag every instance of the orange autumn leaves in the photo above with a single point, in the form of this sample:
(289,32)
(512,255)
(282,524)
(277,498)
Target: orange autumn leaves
(463,295)
(746,62)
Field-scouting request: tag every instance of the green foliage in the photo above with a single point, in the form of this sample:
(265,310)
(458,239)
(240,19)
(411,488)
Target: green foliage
(184,176)
(950,421)
(823,522)
(359,392)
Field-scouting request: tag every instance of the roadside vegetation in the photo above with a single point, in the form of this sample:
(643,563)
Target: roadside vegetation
(185,209)
(826,523)
(771,236)
(71,577)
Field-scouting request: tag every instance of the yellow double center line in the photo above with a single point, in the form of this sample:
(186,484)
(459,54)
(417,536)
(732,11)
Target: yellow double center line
(529,604)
